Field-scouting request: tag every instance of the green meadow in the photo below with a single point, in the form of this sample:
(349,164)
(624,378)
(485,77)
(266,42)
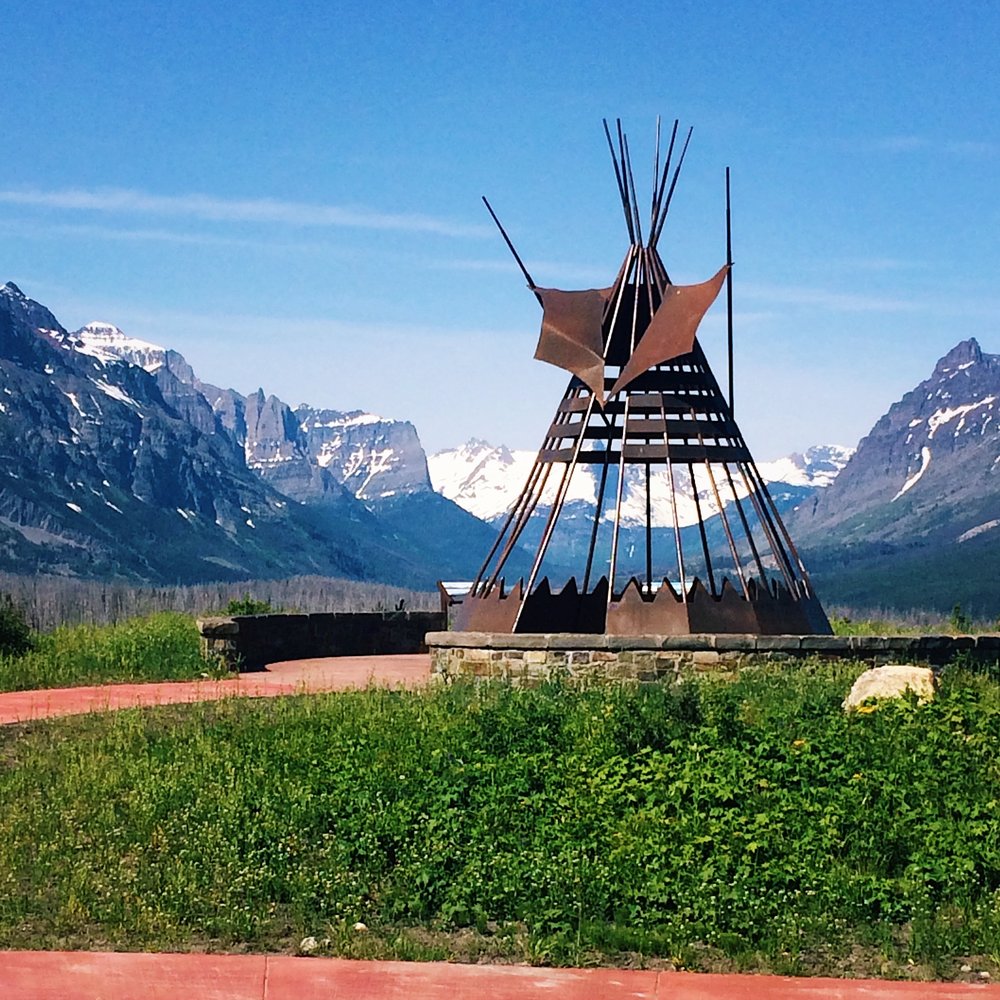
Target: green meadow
(747,824)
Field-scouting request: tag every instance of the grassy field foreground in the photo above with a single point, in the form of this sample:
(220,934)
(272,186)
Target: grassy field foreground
(714,825)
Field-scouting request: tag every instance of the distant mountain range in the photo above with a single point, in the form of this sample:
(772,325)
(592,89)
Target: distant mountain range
(118,461)
(486,480)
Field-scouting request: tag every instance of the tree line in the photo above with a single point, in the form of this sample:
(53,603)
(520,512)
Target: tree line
(49,601)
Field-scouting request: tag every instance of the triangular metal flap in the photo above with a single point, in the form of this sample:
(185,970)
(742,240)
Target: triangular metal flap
(728,593)
(666,587)
(672,330)
(572,335)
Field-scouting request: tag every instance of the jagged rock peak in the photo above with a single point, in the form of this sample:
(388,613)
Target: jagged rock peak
(109,343)
(113,338)
(962,355)
(27,311)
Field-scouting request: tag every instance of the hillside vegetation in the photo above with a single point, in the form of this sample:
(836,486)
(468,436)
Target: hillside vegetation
(48,601)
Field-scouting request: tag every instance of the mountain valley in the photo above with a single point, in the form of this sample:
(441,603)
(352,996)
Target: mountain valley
(120,463)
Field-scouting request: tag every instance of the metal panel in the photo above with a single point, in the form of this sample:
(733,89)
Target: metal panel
(571,336)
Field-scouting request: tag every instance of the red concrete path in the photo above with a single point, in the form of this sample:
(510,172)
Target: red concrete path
(293,677)
(33,975)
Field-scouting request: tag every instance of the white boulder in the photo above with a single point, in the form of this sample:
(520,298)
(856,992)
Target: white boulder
(892,681)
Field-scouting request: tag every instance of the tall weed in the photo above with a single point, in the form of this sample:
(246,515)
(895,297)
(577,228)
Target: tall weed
(160,647)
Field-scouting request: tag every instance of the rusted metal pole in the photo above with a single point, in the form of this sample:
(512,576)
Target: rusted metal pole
(701,529)
(616,527)
(746,524)
(725,524)
(649,535)
(658,201)
(621,183)
(780,556)
(729,290)
(597,523)
(510,246)
(633,197)
(523,508)
(670,194)
(656,176)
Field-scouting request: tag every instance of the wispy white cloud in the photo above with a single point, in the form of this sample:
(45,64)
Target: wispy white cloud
(542,271)
(899,143)
(972,147)
(125,235)
(208,208)
(832,300)
(938,303)
(921,143)
(879,264)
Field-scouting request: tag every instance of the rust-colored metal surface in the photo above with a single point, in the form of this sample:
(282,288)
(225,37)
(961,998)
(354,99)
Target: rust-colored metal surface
(672,330)
(571,337)
(637,614)
(645,408)
(565,611)
(667,613)
(494,612)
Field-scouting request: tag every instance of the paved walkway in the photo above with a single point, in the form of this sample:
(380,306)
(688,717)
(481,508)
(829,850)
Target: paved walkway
(35,975)
(293,677)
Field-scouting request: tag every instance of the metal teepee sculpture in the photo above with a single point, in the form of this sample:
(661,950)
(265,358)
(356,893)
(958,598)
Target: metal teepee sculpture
(643,406)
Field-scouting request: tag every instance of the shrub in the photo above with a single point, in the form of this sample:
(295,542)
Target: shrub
(959,620)
(15,633)
(247,605)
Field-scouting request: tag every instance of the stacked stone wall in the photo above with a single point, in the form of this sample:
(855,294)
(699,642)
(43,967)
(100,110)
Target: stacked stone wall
(532,658)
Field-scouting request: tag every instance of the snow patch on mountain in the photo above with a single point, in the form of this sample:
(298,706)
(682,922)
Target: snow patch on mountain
(925,462)
(946,416)
(374,457)
(108,343)
(978,530)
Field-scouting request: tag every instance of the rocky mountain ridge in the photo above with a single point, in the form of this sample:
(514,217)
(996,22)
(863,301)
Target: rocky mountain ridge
(118,461)
(915,515)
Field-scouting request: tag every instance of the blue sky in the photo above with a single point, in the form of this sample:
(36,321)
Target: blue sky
(289,194)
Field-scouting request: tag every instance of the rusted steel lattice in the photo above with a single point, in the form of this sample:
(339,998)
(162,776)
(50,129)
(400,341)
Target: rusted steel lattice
(643,407)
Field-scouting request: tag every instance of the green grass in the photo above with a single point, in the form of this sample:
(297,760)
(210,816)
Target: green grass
(958,623)
(744,825)
(160,647)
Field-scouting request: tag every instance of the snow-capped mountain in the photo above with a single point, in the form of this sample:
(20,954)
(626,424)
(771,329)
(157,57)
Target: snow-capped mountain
(115,459)
(102,475)
(373,457)
(913,521)
(486,480)
(936,452)
(300,451)
(107,342)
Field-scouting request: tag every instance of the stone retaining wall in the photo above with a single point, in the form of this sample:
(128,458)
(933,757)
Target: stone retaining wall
(250,642)
(653,657)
